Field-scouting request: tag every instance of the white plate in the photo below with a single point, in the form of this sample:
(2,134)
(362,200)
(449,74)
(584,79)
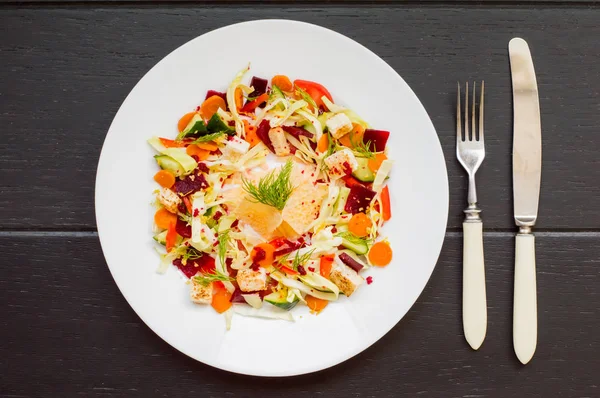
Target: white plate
(357,78)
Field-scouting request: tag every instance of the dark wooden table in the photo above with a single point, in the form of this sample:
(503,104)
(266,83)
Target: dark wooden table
(65,68)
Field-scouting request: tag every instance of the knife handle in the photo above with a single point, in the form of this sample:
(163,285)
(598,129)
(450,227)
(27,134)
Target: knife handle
(525,300)
(474,297)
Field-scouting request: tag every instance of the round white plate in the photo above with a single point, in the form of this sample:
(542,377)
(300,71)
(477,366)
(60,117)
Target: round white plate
(357,78)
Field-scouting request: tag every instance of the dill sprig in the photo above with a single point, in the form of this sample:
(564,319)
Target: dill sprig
(208,137)
(350,237)
(223,239)
(214,276)
(362,148)
(306,97)
(273,189)
(190,254)
(331,146)
(301,259)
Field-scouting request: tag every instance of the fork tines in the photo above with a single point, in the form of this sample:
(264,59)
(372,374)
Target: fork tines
(472,135)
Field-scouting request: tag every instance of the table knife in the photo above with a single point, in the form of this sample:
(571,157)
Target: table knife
(527,168)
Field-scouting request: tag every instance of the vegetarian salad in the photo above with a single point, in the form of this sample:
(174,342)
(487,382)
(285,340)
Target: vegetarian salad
(272,196)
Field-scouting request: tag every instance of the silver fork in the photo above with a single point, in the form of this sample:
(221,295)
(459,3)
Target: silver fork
(471,152)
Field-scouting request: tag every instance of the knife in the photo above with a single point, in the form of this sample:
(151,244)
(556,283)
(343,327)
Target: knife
(527,169)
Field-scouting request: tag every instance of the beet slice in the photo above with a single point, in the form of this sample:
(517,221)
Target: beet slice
(359,199)
(183,229)
(378,139)
(203,264)
(187,186)
(263,133)
(296,132)
(260,86)
(350,262)
(210,93)
(236,296)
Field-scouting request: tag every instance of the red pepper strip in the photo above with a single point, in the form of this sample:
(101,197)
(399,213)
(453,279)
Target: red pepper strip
(188,204)
(171,237)
(288,270)
(252,105)
(385,203)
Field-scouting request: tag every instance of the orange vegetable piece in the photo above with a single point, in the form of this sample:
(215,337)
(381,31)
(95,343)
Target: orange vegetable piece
(239,98)
(380,254)
(315,304)
(283,82)
(167,143)
(220,300)
(171,237)
(360,225)
(385,203)
(165,178)
(195,150)
(209,146)
(210,106)
(325,265)
(353,137)
(375,163)
(262,254)
(163,218)
(188,204)
(184,121)
(323,143)
(251,135)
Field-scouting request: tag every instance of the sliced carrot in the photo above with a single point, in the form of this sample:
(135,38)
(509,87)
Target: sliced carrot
(283,82)
(251,135)
(171,237)
(375,163)
(262,254)
(210,106)
(165,178)
(360,225)
(221,298)
(380,254)
(195,150)
(184,121)
(209,146)
(188,204)
(239,98)
(385,203)
(163,218)
(325,265)
(288,270)
(315,304)
(323,143)
(167,143)
(353,137)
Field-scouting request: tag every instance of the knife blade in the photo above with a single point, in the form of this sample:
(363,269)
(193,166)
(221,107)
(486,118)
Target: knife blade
(527,168)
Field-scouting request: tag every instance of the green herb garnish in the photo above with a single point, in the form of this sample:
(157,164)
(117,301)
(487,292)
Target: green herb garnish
(362,148)
(208,278)
(198,127)
(306,97)
(208,137)
(273,189)
(223,239)
(191,254)
(301,259)
(350,237)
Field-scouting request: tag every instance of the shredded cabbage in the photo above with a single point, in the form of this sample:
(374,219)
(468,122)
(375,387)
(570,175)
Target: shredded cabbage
(228,315)
(294,284)
(318,282)
(239,124)
(253,300)
(265,312)
(315,122)
(382,173)
(293,108)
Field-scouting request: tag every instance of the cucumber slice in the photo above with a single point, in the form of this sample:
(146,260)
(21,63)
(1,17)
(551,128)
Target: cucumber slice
(276,93)
(216,125)
(161,237)
(196,125)
(363,172)
(319,283)
(168,163)
(186,161)
(279,299)
(358,246)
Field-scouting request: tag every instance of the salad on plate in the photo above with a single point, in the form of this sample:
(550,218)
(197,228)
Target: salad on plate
(272,196)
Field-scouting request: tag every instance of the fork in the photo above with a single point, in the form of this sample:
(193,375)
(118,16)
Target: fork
(470,152)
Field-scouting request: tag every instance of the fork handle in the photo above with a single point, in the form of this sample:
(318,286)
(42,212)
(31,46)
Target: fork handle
(474,297)
(525,300)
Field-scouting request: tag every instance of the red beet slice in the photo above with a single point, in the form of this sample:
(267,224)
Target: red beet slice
(359,199)
(378,139)
(183,229)
(350,262)
(260,86)
(263,133)
(210,93)
(203,264)
(296,132)
(187,186)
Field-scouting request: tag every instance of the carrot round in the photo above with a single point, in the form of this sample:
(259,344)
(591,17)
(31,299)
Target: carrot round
(385,203)
(354,137)
(163,218)
(165,178)
(184,121)
(239,98)
(195,150)
(283,82)
(262,254)
(380,254)
(375,163)
(323,143)
(360,225)
(210,106)
(221,299)
(325,265)
(251,135)
(315,304)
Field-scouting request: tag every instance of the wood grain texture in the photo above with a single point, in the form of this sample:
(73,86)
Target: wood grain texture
(68,330)
(64,74)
